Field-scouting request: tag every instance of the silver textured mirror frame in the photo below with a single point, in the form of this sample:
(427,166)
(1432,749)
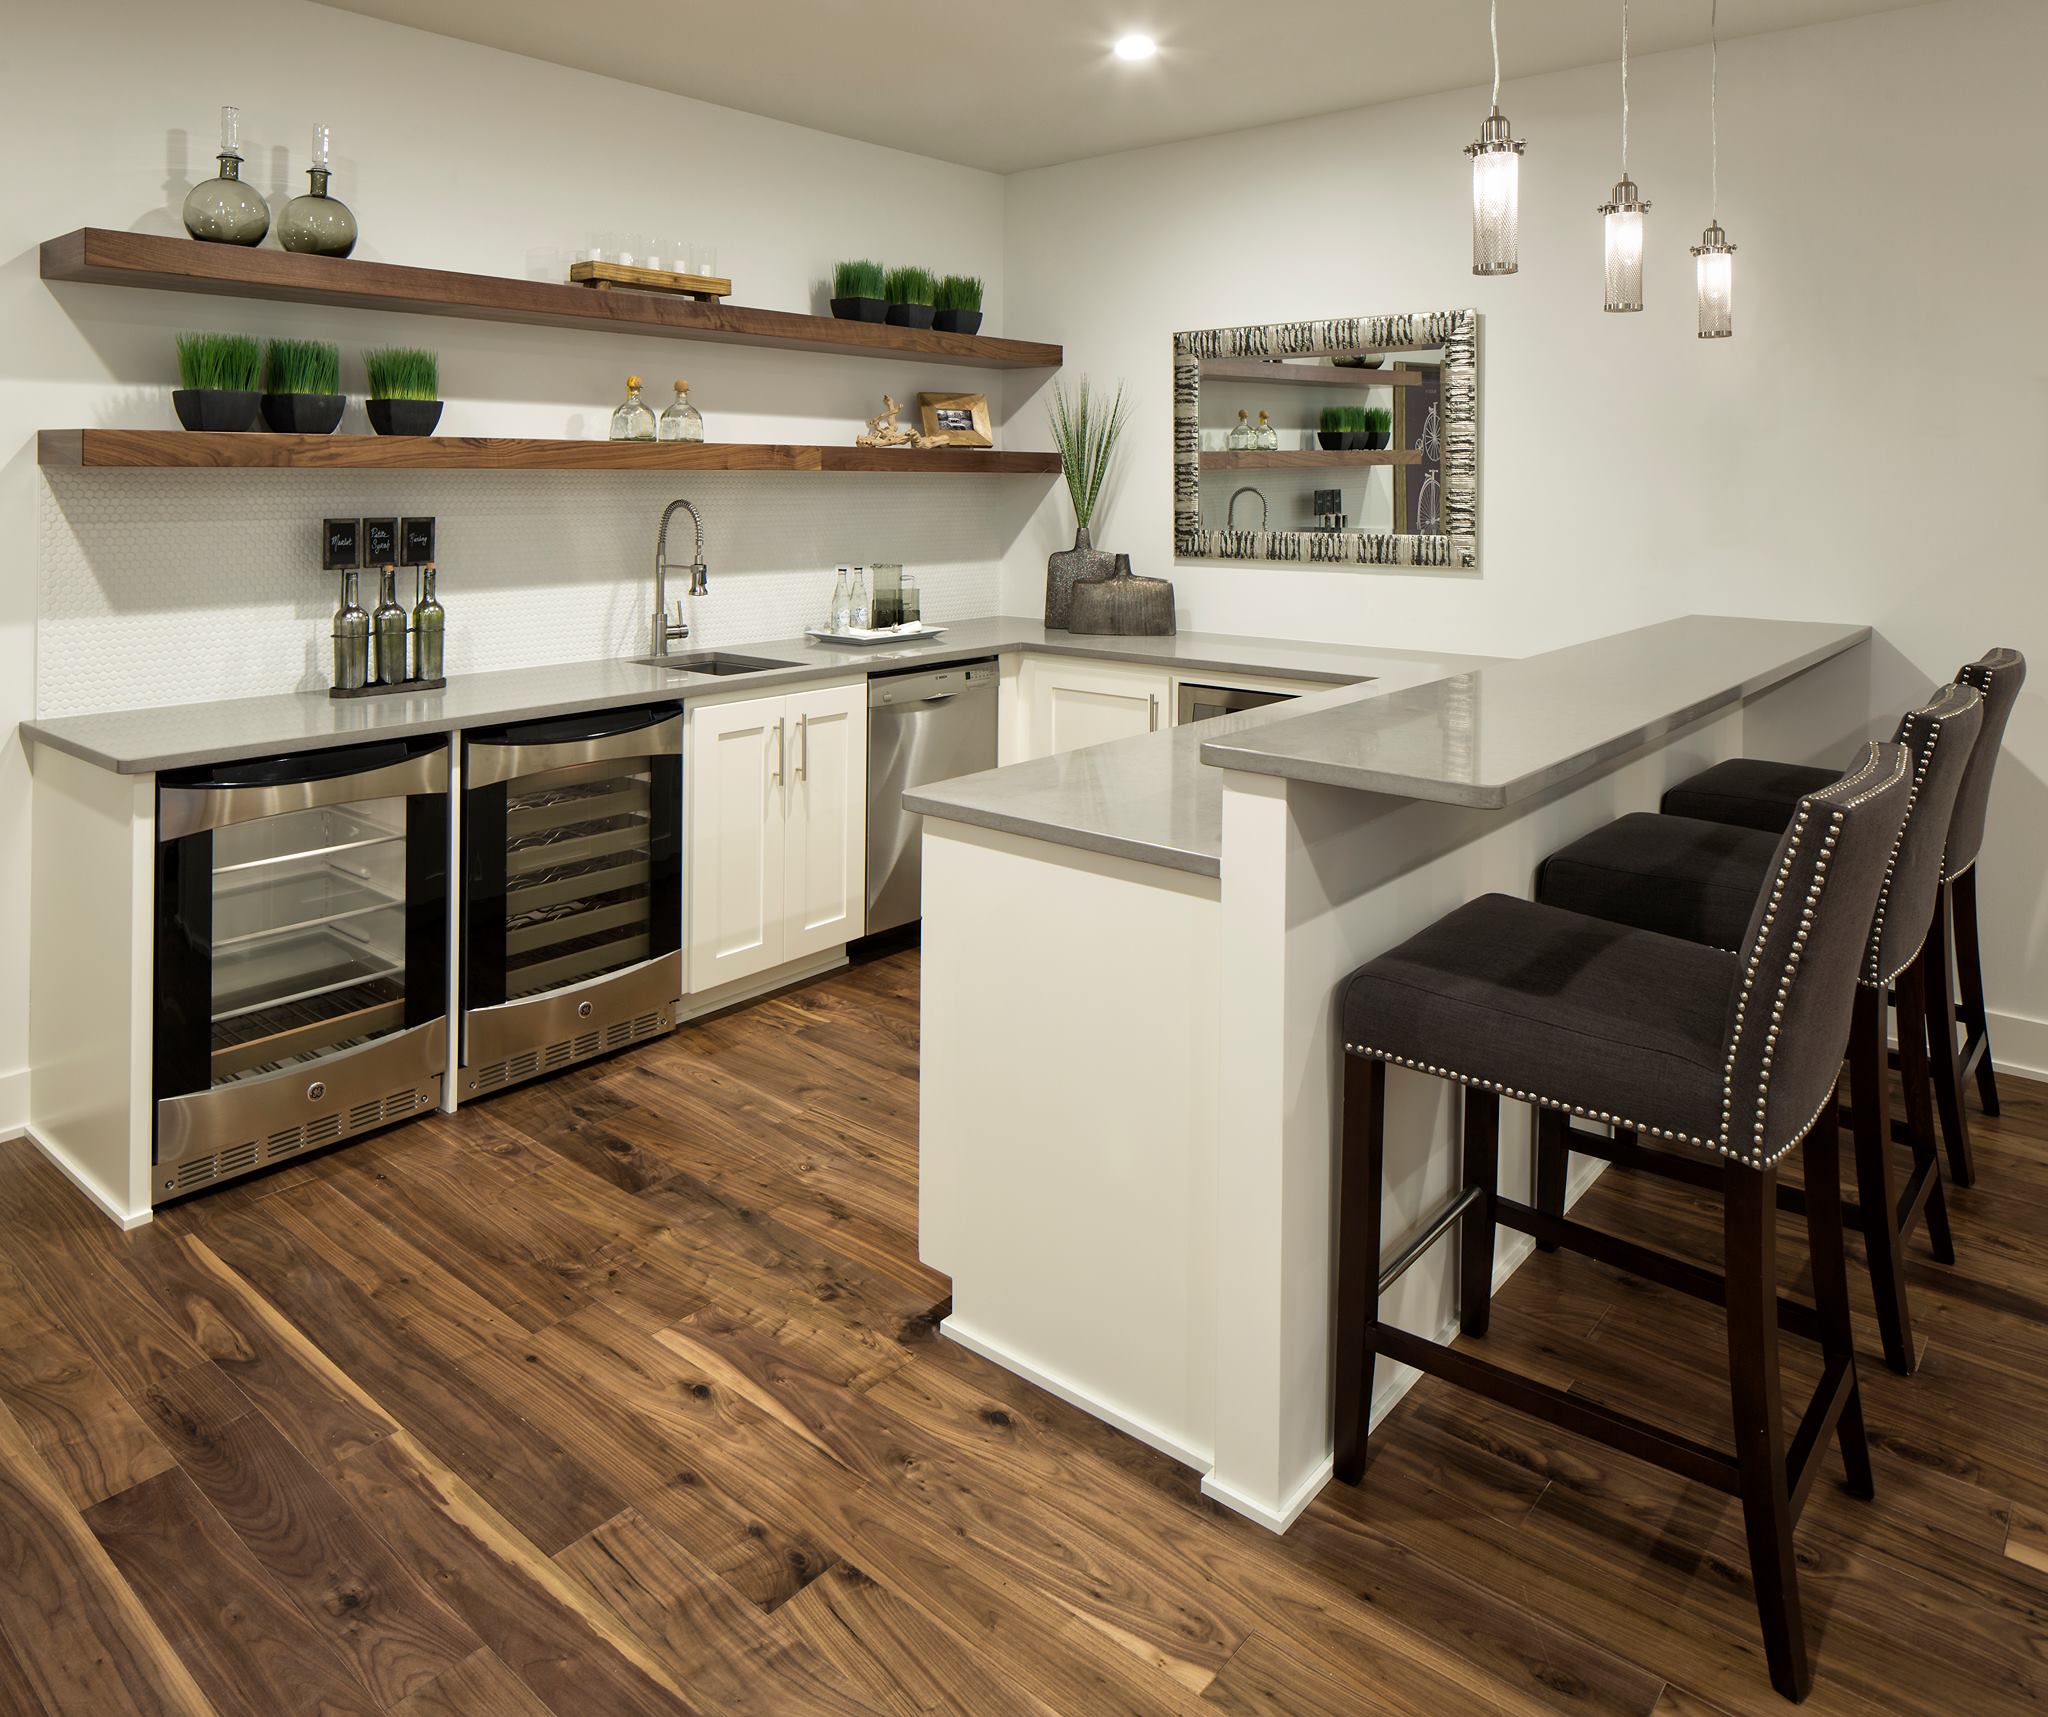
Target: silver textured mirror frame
(1455,331)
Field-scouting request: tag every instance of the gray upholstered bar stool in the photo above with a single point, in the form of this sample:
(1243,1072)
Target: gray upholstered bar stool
(1731,1058)
(1697,879)
(1756,794)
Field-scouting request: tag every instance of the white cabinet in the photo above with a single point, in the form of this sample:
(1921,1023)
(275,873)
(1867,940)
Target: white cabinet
(1071,702)
(775,832)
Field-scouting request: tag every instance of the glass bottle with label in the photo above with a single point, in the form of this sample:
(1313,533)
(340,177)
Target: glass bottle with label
(682,421)
(387,627)
(860,599)
(633,421)
(842,601)
(429,628)
(1266,438)
(1241,436)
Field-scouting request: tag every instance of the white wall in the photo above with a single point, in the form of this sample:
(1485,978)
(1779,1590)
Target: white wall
(451,156)
(1871,445)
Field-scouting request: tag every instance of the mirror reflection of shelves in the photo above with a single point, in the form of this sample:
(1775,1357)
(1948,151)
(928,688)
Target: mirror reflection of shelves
(1286,458)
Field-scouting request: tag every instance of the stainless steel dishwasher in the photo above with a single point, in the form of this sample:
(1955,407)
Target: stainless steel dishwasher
(924,725)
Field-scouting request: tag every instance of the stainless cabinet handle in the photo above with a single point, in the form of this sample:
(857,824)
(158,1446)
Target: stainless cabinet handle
(1155,713)
(803,756)
(776,778)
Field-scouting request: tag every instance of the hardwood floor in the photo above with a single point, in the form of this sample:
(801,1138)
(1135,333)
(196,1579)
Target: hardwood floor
(623,1394)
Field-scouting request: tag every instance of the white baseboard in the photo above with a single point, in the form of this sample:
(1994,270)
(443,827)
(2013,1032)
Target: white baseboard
(79,1178)
(14,1103)
(1291,1507)
(996,1354)
(2019,1045)
(766,984)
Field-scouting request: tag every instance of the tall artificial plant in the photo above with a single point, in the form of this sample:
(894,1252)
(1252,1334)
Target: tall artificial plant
(1087,433)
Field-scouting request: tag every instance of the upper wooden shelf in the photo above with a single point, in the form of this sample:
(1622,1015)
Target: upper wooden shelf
(107,258)
(1280,459)
(1307,375)
(191,450)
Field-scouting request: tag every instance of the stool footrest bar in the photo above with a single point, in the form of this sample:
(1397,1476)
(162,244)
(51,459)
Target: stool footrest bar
(1439,1225)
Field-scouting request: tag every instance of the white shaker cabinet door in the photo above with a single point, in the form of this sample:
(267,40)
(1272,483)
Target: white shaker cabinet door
(735,779)
(1073,702)
(825,839)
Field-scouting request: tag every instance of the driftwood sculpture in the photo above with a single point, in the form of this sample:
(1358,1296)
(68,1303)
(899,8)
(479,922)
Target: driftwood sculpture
(882,430)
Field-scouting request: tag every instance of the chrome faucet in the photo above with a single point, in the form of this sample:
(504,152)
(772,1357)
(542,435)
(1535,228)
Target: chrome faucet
(1230,512)
(667,631)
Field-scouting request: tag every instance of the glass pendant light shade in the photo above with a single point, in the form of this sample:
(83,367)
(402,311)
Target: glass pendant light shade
(1624,211)
(1716,266)
(1496,198)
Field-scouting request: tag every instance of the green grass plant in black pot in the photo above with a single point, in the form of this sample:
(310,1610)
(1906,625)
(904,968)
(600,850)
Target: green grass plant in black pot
(860,292)
(405,390)
(217,375)
(1342,427)
(302,387)
(911,295)
(957,305)
(1378,426)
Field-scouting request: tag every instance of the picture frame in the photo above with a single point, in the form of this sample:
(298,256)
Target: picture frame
(955,419)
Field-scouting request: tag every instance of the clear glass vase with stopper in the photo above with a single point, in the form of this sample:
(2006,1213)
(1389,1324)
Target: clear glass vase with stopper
(682,421)
(633,421)
(316,223)
(224,210)
(1241,436)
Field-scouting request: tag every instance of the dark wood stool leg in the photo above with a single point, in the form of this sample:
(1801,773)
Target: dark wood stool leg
(1916,1076)
(1553,1164)
(1962,894)
(1939,958)
(1870,1114)
(1475,1234)
(1822,1155)
(1750,1220)
(1361,1179)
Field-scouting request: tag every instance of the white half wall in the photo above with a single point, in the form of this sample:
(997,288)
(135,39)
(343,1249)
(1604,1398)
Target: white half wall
(1870,446)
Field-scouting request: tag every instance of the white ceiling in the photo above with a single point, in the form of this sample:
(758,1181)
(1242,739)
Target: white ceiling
(1010,84)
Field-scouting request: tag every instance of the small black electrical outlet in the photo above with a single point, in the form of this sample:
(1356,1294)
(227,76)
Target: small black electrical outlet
(380,542)
(340,544)
(416,536)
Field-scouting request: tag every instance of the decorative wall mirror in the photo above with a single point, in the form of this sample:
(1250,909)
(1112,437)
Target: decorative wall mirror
(1353,441)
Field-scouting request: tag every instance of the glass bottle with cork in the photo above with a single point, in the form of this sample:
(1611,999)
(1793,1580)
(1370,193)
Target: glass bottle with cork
(633,421)
(681,421)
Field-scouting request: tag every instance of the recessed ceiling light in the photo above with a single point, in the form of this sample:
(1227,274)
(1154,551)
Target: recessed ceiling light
(1135,47)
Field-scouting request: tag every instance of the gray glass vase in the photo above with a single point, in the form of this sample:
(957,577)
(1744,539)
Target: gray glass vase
(317,224)
(225,210)
(1083,560)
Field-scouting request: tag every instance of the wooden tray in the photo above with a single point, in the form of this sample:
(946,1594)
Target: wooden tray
(604,276)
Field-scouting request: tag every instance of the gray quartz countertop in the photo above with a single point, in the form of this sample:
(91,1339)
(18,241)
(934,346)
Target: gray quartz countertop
(1497,734)
(144,741)
(1151,797)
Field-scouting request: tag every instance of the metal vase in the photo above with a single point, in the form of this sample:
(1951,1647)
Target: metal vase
(1083,560)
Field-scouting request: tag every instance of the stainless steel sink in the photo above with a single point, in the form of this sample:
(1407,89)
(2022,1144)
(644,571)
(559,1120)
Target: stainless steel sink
(711,662)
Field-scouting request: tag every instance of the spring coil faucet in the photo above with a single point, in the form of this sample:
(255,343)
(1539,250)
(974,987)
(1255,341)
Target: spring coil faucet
(667,631)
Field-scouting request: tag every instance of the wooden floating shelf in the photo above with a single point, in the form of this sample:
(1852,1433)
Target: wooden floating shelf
(1280,459)
(1309,375)
(191,450)
(103,257)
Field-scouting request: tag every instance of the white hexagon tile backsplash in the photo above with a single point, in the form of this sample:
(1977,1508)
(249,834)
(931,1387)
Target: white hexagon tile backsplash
(162,587)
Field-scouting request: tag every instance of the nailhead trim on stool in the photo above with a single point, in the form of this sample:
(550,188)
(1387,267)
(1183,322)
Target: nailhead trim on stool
(1837,798)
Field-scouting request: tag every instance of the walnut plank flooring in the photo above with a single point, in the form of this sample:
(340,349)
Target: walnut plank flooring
(622,1394)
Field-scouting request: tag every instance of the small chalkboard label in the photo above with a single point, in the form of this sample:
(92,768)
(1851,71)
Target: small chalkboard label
(417,535)
(380,542)
(340,544)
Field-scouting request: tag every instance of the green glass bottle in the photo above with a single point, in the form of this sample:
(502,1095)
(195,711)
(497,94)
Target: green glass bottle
(316,223)
(224,210)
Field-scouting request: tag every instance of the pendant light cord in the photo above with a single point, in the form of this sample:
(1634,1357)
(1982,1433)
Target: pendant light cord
(1493,28)
(1624,88)
(1714,106)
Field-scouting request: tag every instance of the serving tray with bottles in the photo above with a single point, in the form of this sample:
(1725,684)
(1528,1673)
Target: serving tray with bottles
(906,633)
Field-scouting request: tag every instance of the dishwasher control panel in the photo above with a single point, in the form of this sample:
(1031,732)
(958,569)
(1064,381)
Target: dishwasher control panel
(919,685)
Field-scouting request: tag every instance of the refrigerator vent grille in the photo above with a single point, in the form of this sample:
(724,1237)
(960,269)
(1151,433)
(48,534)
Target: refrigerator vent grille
(195,1172)
(496,1075)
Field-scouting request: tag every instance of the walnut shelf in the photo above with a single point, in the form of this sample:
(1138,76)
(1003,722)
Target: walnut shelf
(101,256)
(189,450)
(1280,459)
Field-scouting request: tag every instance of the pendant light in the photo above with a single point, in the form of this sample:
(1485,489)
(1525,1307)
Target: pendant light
(1624,211)
(1496,180)
(1714,255)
